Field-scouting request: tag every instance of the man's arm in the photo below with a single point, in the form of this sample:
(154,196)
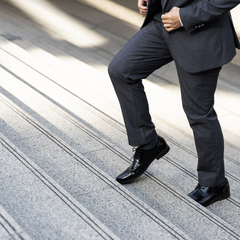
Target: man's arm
(204,12)
(197,15)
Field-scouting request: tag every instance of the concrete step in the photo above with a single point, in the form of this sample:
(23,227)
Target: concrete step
(90,186)
(154,181)
(39,204)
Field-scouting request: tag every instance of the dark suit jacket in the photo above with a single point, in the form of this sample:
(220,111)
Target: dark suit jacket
(208,39)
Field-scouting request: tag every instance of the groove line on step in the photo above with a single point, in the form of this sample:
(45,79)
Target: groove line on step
(12,227)
(55,190)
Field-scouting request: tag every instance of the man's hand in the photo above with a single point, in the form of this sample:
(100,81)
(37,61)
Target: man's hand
(171,19)
(142,5)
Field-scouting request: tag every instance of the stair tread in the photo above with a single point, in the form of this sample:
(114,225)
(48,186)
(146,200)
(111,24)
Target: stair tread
(84,184)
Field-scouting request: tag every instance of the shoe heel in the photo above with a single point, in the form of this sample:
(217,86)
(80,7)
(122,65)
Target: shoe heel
(225,196)
(164,152)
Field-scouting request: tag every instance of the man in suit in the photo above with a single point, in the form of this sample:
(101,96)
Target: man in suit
(199,36)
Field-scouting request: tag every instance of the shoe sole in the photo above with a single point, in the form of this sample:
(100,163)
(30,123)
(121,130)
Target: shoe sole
(160,155)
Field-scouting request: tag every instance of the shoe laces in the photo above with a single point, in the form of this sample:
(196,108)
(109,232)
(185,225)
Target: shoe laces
(200,188)
(138,152)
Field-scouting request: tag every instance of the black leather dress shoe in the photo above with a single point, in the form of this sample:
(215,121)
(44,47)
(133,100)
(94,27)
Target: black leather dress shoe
(208,195)
(141,161)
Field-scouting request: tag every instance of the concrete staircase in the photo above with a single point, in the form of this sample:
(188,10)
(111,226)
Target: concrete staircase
(63,140)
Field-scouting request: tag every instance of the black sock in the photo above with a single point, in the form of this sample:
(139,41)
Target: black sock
(150,144)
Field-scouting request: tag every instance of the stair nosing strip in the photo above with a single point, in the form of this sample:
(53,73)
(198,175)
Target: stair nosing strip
(16,232)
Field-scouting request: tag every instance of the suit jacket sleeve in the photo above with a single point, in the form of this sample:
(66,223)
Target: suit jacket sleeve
(205,11)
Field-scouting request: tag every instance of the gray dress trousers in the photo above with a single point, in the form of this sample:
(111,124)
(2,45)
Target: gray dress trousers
(142,55)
